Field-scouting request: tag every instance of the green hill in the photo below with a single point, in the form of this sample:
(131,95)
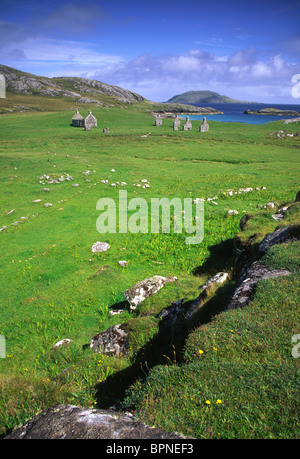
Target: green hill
(27,92)
(204,97)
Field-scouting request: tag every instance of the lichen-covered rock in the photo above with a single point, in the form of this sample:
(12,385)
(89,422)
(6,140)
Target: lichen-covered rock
(218,278)
(280,214)
(147,287)
(232,212)
(113,341)
(123,263)
(71,422)
(277,237)
(100,246)
(62,343)
(244,290)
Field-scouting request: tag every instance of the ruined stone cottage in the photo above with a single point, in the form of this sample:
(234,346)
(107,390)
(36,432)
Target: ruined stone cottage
(187,125)
(78,120)
(204,126)
(90,121)
(158,120)
(87,123)
(176,123)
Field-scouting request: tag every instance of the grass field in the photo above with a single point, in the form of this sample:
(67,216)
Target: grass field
(53,287)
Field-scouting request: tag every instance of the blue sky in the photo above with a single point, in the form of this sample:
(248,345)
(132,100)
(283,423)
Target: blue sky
(159,48)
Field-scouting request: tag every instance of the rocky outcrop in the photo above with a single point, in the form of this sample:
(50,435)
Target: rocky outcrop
(147,287)
(97,87)
(252,273)
(218,278)
(72,87)
(87,100)
(42,87)
(113,341)
(71,422)
(166,109)
(277,237)
(280,214)
(293,120)
(245,288)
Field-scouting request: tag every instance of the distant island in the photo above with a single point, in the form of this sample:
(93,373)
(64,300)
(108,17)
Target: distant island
(204,97)
(272,111)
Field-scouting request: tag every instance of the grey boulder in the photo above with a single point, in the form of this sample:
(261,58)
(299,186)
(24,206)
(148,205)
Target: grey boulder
(72,422)
(100,247)
(277,237)
(147,287)
(244,290)
(113,341)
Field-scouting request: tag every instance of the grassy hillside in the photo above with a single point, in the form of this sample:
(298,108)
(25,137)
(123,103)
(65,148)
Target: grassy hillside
(236,377)
(26,92)
(53,287)
(76,89)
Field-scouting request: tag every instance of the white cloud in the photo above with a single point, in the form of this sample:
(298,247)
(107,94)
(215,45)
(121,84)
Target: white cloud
(278,62)
(243,75)
(183,65)
(67,51)
(243,57)
(240,75)
(260,69)
(57,55)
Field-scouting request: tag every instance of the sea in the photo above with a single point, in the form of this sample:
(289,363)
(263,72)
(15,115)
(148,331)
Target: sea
(235,113)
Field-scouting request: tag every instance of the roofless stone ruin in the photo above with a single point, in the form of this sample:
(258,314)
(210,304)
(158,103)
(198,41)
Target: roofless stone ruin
(204,126)
(91,121)
(176,123)
(87,123)
(187,125)
(158,120)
